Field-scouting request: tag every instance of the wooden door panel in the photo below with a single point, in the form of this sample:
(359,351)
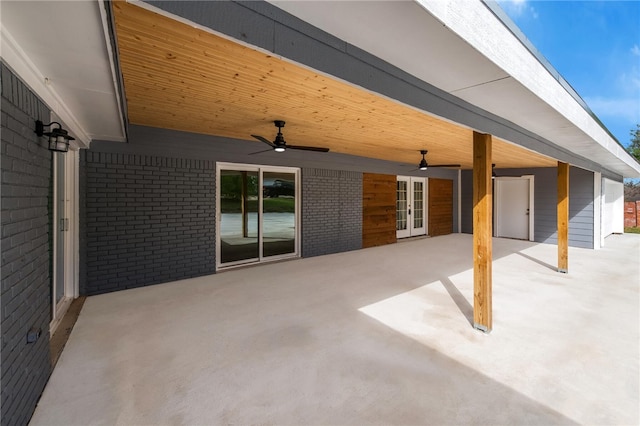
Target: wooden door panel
(440,207)
(378,209)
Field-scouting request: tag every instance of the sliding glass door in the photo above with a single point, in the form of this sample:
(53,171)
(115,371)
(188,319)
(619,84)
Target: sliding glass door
(258,213)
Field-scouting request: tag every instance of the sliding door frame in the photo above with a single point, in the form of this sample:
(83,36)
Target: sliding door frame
(260,169)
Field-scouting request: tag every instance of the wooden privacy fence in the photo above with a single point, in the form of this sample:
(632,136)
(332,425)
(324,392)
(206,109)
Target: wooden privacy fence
(631,214)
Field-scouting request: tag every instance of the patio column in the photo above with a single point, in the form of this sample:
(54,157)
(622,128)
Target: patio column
(563,217)
(482,232)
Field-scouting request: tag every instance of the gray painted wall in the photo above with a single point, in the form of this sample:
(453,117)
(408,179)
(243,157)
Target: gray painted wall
(581,207)
(147,220)
(116,176)
(26,251)
(266,26)
(331,211)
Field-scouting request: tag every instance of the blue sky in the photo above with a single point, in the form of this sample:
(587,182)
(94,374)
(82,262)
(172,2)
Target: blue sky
(595,46)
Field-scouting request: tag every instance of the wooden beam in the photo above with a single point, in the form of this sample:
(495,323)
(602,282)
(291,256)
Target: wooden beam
(482,232)
(563,217)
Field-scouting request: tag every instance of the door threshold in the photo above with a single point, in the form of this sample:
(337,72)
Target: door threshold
(63,330)
(413,238)
(220,269)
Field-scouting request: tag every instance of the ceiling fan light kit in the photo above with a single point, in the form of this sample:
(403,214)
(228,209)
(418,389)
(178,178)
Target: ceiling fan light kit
(280,145)
(423,165)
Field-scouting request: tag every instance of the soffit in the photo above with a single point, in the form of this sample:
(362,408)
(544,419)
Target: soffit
(462,48)
(182,78)
(69,60)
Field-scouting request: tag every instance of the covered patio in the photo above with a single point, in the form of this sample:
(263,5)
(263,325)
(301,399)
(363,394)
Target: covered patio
(375,336)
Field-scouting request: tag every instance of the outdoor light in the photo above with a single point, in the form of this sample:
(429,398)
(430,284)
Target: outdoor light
(279,145)
(58,137)
(423,163)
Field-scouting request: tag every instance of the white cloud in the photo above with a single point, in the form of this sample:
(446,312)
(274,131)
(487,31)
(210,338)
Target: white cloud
(622,108)
(629,80)
(518,8)
(635,50)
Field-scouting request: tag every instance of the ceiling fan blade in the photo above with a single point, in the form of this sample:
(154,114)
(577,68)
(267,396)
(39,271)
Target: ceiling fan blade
(260,152)
(261,139)
(308,148)
(445,165)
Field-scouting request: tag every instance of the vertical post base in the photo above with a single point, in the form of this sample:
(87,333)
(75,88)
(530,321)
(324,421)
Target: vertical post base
(563,271)
(481,327)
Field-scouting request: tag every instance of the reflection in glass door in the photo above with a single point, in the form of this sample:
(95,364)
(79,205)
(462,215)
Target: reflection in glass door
(238,215)
(258,213)
(278,213)
(410,206)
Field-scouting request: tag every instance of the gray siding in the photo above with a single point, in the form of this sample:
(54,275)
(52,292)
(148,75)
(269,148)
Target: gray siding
(466,201)
(148,220)
(581,208)
(331,211)
(26,251)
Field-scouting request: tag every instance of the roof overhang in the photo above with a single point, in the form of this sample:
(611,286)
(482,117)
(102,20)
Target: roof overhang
(60,50)
(180,76)
(465,49)
(461,48)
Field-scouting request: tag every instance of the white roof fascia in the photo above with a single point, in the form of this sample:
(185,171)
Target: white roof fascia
(474,22)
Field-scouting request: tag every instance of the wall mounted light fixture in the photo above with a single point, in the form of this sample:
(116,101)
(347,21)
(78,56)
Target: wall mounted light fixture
(58,137)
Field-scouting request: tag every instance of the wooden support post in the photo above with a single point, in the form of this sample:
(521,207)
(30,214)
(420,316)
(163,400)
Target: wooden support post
(482,232)
(563,217)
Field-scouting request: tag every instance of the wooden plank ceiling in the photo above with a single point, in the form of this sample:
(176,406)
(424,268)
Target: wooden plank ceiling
(182,78)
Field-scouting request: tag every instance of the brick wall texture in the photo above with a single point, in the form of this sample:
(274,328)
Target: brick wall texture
(146,220)
(631,214)
(26,259)
(331,211)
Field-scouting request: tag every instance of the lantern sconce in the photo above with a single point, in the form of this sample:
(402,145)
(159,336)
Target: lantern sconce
(58,137)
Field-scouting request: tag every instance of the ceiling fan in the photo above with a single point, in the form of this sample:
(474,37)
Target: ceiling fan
(424,166)
(279,144)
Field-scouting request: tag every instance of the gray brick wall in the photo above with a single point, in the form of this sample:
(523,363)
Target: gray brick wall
(146,219)
(25,245)
(331,211)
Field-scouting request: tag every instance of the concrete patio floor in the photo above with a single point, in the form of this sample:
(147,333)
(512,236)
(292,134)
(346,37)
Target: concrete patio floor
(375,336)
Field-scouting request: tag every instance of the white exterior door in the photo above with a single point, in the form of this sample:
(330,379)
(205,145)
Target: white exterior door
(612,207)
(411,211)
(514,207)
(65,235)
